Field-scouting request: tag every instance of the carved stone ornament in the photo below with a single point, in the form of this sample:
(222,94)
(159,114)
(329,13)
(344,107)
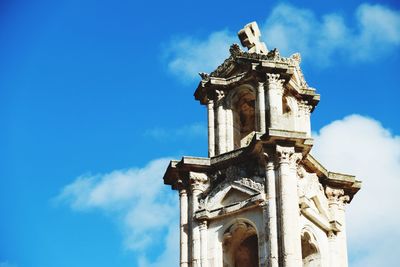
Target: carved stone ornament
(251,184)
(239,175)
(220,94)
(198,181)
(274,54)
(309,184)
(274,82)
(296,57)
(304,107)
(284,153)
(235,50)
(204,76)
(336,195)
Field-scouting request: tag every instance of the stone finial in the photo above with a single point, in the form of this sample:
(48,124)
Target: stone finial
(250,37)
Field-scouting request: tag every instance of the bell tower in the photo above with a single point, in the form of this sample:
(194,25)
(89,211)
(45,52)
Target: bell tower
(260,198)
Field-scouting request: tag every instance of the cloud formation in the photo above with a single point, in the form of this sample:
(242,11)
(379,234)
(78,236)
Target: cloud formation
(322,40)
(355,145)
(187,56)
(144,206)
(361,146)
(375,33)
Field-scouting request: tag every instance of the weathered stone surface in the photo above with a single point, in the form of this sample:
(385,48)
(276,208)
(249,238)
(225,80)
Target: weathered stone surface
(260,198)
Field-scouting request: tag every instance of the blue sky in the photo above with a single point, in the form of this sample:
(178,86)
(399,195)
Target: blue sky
(96,96)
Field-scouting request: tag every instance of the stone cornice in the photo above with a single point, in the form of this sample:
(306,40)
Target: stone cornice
(241,65)
(347,182)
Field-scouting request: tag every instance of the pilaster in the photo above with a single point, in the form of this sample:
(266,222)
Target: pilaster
(288,207)
(270,212)
(211,128)
(261,107)
(337,200)
(203,239)
(275,92)
(184,250)
(221,123)
(197,185)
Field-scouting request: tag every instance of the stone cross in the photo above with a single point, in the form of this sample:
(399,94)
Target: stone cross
(250,37)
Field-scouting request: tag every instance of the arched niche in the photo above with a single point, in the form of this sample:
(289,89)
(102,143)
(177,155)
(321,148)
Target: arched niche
(240,245)
(242,104)
(309,249)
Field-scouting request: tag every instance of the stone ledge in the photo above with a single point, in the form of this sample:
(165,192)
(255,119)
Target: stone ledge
(347,182)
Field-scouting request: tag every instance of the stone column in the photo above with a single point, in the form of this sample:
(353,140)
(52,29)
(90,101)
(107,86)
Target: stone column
(303,121)
(261,107)
(337,201)
(203,238)
(197,181)
(288,208)
(272,223)
(221,123)
(211,128)
(184,250)
(275,92)
(229,130)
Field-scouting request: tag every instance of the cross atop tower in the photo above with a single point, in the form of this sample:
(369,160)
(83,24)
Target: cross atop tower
(250,37)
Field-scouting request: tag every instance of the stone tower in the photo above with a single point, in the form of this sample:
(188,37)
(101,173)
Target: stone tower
(260,198)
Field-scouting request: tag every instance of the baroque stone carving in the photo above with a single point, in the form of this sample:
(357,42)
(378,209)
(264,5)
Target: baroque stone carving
(251,183)
(205,77)
(305,107)
(284,153)
(274,82)
(198,181)
(237,53)
(274,54)
(336,195)
(220,94)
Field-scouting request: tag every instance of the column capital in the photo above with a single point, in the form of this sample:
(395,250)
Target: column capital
(198,181)
(336,196)
(305,107)
(182,191)
(203,225)
(274,82)
(284,153)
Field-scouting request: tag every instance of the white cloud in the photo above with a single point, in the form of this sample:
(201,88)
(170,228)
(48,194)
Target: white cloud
(376,33)
(188,56)
(139,200)
(355,145)
(322,40)
(170,256)
(187,131)
(361,146)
